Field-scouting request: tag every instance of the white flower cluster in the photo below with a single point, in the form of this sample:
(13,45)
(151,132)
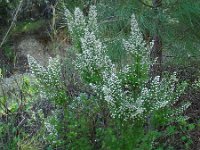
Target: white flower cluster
(35,67)
(112,87)
(48,77)
(50,123)
(93,56)
(162,93)
(46,74)
(158,95)
(50,128)
(92,20)
(121,104)
(135,45)
(78,20)
(75,22)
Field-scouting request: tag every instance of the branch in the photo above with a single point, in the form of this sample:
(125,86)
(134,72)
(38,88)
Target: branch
(146,4)
(12,23)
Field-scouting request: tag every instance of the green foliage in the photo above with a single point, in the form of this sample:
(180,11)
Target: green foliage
(178,28)
(28,26)
(9,52)
(7,8)
(15,103)
(117,107)
(99,99)
(178,136)
(115,21)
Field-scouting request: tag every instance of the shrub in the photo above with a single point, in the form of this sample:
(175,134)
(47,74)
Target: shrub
(118,107)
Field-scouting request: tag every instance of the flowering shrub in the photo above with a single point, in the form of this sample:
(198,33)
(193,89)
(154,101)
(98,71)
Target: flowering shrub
(125,93)
(126,90)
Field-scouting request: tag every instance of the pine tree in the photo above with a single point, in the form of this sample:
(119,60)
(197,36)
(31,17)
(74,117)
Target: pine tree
(174,27)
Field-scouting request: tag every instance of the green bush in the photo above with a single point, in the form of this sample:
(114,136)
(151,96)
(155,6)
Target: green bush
(102,105)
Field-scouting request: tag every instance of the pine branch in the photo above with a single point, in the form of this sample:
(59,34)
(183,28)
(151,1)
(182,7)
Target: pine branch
(146,4)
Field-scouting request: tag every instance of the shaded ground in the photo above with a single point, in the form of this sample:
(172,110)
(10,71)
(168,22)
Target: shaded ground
(194,113)
(190,74)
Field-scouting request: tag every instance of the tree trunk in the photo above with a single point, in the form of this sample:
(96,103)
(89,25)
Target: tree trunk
(156,52)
